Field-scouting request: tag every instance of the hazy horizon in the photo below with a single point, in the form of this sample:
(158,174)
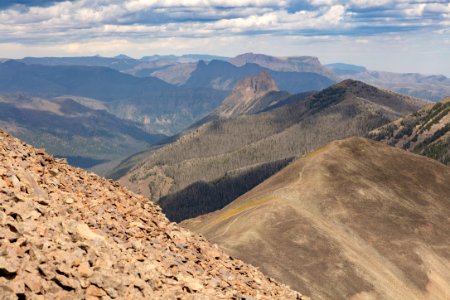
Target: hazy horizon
(399,36)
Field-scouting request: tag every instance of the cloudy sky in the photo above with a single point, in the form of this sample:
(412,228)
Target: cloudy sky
(402,35)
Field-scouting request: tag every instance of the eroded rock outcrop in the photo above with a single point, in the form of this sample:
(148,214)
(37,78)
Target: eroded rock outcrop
(69,234)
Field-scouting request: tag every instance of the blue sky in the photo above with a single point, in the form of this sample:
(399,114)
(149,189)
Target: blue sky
(402,35)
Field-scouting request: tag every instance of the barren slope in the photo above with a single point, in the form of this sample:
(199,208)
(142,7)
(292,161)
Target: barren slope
(68,234)
(355,219)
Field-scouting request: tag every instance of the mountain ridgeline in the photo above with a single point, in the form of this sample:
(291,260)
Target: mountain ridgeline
(223,150)
(425,132)
(177,70)
(307,64)
(355,219)
(158,106)
(78,129)
(430,87)
(223,75)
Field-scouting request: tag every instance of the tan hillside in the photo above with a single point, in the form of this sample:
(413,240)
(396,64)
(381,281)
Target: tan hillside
(425,132)
(69,234)
(223,159)
(355,219)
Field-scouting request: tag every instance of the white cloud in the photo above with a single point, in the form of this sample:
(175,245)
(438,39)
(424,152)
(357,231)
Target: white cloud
(416,10)
(135,5)
(81,19)
(334,15)
(323,2)
(369,3)
(137,26)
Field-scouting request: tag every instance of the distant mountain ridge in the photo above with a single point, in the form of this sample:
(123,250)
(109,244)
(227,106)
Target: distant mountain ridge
(430,87)
(178,69)
(344,69)
(170,68)
(158,106)
(95,82)
(222,75)
(66,127)
(309,64)
(120,62)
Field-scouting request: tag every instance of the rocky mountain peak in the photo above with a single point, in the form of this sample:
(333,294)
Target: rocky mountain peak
(246,94)
(68,234)
(257,85)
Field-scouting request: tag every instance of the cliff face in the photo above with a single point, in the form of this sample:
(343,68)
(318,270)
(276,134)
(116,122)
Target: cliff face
(285,64)
(247,96)
(69,234)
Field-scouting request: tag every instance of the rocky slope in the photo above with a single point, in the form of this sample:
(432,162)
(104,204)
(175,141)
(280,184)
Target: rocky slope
(355,219)
(68,234)
(425,132)
(228,150)
(250,95)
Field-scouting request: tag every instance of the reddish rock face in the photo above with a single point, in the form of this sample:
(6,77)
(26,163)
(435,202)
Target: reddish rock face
(246,95)
(69,234)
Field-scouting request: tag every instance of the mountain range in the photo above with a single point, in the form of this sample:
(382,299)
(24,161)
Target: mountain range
(309,64)
(332,179)
(178,69)
(431,87)
(78,129)
(245,150)
(223,75)
(355,219)
(158,106)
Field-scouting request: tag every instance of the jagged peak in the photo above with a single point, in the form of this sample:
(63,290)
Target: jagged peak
(247,94)
(262,83)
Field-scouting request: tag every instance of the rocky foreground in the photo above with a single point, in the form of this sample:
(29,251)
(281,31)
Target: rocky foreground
(69,234)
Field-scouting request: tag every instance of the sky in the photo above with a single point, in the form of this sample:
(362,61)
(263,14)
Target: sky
(398,36)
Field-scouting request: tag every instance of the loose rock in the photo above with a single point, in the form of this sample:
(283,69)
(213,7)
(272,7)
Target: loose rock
(69,234)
